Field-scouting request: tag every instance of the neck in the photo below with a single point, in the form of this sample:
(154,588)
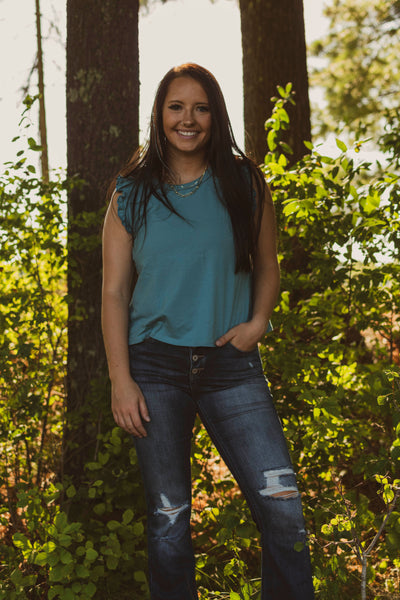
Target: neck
(186,168)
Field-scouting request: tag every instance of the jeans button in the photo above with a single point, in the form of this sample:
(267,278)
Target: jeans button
(195,357)
(195,371)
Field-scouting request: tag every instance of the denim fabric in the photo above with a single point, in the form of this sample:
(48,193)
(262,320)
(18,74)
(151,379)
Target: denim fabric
(228,390)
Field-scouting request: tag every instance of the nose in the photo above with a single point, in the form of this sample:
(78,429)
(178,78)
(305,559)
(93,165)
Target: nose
(187,118)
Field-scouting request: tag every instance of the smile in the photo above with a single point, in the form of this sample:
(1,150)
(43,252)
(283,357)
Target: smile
(187,133)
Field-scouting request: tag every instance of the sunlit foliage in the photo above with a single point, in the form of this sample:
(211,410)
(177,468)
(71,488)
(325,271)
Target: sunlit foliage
(360,76)
(333,364)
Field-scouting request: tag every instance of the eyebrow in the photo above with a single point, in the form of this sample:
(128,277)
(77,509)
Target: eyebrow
(181,102)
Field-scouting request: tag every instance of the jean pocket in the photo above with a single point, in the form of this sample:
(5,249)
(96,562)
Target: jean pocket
(242,352)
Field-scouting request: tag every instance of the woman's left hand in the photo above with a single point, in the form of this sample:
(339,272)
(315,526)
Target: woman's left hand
(244,336)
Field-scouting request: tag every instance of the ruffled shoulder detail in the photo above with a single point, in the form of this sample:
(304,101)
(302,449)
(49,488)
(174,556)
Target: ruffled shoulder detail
(125,187)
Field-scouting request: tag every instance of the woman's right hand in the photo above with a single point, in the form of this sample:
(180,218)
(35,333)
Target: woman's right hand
(129,408)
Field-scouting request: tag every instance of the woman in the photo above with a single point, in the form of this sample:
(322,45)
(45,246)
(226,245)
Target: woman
(191,227)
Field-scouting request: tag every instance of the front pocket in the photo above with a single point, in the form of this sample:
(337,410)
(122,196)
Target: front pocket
(243,352)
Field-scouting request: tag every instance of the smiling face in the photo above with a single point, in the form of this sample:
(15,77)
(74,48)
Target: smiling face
(186,117)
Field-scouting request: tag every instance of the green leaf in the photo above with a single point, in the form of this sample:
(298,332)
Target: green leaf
(371,202)
(326,530)
(299,547)
(286,148)
(291,207)
(113,525)
(16,577)
(127,516)
(21,541)
(90,589)
(41,559)
(58,573)
(140,576)
(281,90)
(61,521)
(282,160)
(91,554)
(67,594)
(112,562)
(33,145)
(82,571)
(138,529)
(71,491)
(100,508)
(54,591)
(64,540)
(341,145)
(66,557)
(271,140)
(52,559)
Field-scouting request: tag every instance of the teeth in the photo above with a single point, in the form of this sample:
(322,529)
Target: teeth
(187,133)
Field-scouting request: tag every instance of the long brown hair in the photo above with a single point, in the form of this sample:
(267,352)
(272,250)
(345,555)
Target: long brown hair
(238,176)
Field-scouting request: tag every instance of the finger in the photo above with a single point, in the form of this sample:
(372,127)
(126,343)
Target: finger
(126,425)
(135,417)
(143,410)
(117,419)
(130,424)
(224,338)
(136,425)
(135,430)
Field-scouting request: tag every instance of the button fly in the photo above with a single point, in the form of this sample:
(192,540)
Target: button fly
(195,357)
(195,371)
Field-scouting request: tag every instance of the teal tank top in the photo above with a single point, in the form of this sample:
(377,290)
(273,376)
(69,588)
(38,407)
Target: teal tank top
(187,292)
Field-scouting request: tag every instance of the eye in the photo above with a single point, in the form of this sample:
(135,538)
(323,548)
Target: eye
(174,106)
(204,108)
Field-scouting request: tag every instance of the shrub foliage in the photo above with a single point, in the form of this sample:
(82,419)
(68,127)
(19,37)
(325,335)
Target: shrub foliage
(333,364)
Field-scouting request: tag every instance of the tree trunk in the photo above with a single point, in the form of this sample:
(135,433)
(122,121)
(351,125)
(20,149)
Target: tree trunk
(274,53)
(102,132)
(44,156)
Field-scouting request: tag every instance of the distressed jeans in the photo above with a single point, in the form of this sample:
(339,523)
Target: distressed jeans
(227,388)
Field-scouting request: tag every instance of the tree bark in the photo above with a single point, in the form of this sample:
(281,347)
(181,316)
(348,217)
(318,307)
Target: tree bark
(274,53)
(102,132)
(44,156)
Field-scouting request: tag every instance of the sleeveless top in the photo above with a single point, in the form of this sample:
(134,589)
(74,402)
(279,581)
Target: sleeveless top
(187,292)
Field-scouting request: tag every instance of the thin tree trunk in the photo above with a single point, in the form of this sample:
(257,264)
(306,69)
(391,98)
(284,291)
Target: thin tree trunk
(102,131)
(44,159)
(274,53)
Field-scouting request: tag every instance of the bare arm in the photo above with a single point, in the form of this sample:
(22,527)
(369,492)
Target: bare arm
(128,404)
(266,279)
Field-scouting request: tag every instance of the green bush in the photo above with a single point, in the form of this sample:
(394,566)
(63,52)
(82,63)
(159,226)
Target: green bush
(338,321)
(333,364)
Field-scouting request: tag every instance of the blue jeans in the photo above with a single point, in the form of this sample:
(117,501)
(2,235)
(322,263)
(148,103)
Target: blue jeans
(228,390)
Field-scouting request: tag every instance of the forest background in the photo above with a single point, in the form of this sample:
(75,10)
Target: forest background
(71,505)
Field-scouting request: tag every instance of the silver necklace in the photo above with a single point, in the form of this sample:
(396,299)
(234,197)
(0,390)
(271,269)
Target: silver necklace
(194,186)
